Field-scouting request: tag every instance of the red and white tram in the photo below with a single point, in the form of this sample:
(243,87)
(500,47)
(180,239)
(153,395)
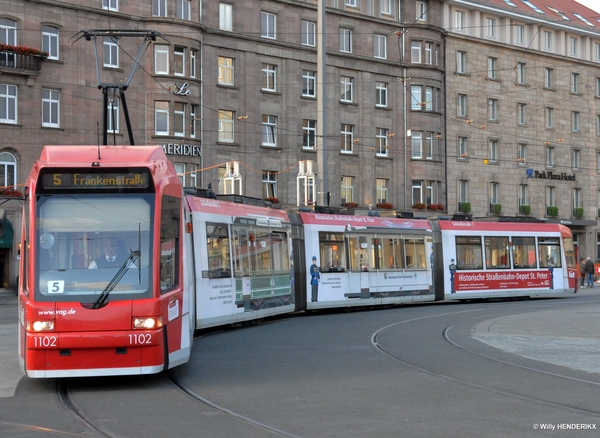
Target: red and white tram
(81,312)
(504,259)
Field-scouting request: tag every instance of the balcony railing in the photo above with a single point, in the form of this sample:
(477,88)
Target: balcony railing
(17,61)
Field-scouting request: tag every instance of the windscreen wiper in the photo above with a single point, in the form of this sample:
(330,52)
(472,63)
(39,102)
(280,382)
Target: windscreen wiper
(103,297)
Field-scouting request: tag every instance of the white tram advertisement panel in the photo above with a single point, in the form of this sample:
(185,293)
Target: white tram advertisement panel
(364,260)
(242,259)
(503,259)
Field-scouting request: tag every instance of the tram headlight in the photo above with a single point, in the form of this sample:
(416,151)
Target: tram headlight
(42,326)
(147,323)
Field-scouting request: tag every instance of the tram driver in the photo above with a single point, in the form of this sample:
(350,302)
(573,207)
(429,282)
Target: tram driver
(114,255)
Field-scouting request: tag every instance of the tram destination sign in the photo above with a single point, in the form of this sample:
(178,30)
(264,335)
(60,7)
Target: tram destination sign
(82,180)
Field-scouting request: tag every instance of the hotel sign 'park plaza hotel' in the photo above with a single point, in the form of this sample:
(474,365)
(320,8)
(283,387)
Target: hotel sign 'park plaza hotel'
(489,108)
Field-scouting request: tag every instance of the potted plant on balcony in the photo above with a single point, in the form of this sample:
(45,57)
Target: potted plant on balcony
(464,207)
(385,205)
(419,206)
(441,207)
(22,50)
(578,212)
(496,209)
(349,204)
(553,211)
(432,207)
(9,191)
(525,209)
(272,200)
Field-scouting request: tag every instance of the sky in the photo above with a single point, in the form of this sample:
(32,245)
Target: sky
(592,4)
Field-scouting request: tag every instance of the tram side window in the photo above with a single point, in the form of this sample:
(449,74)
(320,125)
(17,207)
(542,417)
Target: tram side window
(469,252)
(524,252)
(217,240)
(496,252)
(392,253)
(280,251)
(570,252)
(414,250)
(169,242)
(549,252)
(241,251)
(333,252)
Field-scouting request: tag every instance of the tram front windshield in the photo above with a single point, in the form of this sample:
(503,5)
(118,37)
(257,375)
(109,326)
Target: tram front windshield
(86,242)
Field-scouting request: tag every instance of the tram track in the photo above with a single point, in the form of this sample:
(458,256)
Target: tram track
(487,388)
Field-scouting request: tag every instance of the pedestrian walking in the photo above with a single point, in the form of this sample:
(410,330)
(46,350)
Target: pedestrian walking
(582,271)
(589,272)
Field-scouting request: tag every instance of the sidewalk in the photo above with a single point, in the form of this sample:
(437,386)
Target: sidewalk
(9,363)
(568,336)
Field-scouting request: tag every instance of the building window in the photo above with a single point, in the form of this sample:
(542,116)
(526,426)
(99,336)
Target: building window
(193,111)
(490,28)
(352,3)
(225,16)
(519,34)
(50,41)
(225,71)
(598,87)
(346,83)
(417,191)
(380,49)
(8,169)
(493,110)
(415,52)
(269,77)
(161,118)
(161,59)
(492,68)
(381,142)
(345,40)
(520,73)
(462,148)
(575,83)
(183,9)
(179,119)
(309,134)
(549,118)
(549,78)
(460,21)
(8,103)
(549,156)
(112,115)
(461,105)
(179,61)
(461,62)
(597,52)
(269,184)
(50,108)
(494,192)
(381,92)
(226,126)
(550,196)
(576,159)
(421,11)
(415,97)
(521,113)
(111,53)
(347,138)
(8,35)
(547,40)
(193,57)
(269,128)
(575,116)
(598,124)
(493,150)
(523,194)
(267,25)
(577,198)
(159,8)
(463,191)
(110,5)
(382,191)
(309,82)
(386,6)
(573,46)
(522,153)
(309,32)
(347,192)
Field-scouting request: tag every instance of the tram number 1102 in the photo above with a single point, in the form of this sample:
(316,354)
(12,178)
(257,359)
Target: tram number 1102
(44,341)
(141,339)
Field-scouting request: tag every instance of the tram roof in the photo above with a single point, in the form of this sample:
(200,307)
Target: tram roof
(225,208)
(80,155)
(363,221)
(530,227)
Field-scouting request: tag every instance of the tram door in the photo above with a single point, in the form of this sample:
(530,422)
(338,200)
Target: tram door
(364,252)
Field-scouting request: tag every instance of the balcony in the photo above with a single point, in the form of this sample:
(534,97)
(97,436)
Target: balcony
(28,63)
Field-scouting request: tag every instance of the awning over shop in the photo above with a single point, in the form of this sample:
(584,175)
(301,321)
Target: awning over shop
(6,241)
